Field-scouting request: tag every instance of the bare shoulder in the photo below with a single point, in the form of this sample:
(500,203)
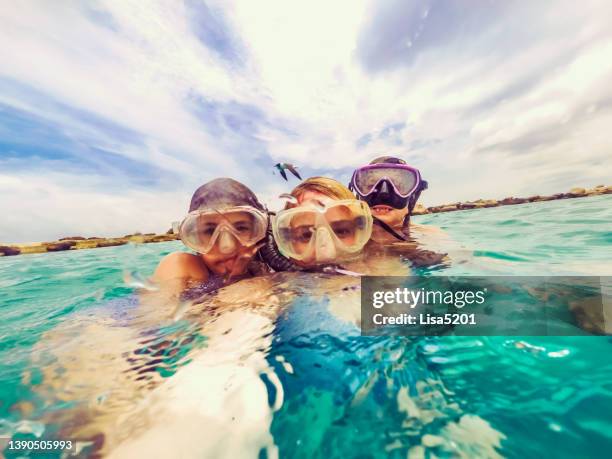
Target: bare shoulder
(181,265)
(427,229)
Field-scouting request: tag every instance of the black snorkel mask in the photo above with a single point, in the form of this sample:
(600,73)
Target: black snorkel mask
(384,194)
(393,184)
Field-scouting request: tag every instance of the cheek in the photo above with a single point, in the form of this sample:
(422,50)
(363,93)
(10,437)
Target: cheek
(349,239)
(300,247)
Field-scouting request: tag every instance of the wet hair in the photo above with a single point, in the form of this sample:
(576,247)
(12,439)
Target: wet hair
(223,192)
(324,185)
(387,160)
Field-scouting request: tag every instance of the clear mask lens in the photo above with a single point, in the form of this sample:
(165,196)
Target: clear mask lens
(323,232)
(201,230)
(404,180)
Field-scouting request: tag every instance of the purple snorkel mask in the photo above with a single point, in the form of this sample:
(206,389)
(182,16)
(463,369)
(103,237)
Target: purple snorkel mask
(395,185)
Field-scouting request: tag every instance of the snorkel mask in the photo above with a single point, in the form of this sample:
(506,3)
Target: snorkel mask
(395,185)
(320,234)
(201,229)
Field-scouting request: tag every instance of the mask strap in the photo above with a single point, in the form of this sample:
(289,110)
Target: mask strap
(406,223)
(350,185)
(388,229)
(412,203)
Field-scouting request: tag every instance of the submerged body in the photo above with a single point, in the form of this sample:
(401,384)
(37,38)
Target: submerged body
(453,396)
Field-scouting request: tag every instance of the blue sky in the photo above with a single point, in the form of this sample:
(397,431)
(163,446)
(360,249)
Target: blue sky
(113,112)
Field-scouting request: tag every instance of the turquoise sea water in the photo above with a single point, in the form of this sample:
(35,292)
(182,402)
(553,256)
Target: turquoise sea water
(343,395)
(572,237)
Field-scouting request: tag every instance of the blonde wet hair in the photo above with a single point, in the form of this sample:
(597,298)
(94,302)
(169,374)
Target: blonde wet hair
(324,185)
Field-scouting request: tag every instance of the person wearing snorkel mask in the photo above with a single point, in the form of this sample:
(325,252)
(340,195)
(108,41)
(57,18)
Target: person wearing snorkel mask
(322,225)
(391,189)
(225,226)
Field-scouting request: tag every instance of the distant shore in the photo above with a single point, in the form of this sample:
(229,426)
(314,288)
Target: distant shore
(482,203)
(79,242)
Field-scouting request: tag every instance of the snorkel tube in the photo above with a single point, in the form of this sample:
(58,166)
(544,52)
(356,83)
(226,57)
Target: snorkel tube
(270,255)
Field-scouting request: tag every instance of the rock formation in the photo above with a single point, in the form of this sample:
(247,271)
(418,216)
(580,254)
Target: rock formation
(482,203)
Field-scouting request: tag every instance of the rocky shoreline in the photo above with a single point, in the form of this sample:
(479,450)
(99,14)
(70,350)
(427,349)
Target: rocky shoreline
(482,203)
(79,242)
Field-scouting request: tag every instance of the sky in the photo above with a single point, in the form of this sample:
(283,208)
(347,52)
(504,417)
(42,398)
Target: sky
(113,112)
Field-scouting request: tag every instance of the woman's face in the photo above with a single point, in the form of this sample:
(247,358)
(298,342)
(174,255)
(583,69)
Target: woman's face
(391,216)
(227,252)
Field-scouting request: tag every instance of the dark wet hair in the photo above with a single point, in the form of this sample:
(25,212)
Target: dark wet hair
(387,160)
(223,192)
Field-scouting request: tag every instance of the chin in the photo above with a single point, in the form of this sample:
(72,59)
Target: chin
(386,217)
(221,266)
(217,269)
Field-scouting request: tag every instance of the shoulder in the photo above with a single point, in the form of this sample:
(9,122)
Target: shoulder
(181,265)
(427,229)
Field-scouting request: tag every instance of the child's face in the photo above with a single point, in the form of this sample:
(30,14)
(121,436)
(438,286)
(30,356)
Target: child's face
(222,258)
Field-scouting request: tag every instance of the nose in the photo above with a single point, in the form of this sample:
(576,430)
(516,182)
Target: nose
(227,242)
(325,249)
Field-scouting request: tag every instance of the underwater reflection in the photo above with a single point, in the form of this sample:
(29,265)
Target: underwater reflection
(255,361)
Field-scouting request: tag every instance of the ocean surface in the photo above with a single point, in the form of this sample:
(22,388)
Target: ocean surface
(80,357)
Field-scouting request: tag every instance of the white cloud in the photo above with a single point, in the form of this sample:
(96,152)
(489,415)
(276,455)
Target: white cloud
(138,78)
(498,109)
(50,207)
